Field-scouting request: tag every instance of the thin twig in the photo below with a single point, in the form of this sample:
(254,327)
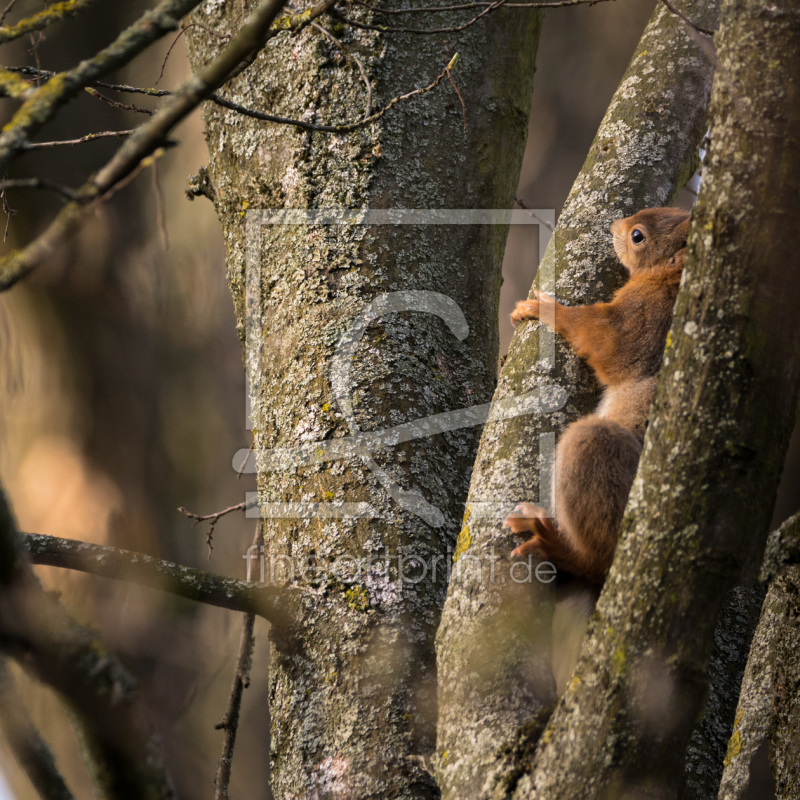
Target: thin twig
(6,10)
(387,29)
(463,107)
(90,137)
(544,222)
(213,519)
(94,93)
(117,87)
(9,212)
(353,58)
(344,127)
(224,36)
(38,183)
(241,681)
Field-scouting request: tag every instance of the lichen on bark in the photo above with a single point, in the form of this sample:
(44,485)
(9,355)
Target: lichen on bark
(697,517)
(353,698)
(493,643)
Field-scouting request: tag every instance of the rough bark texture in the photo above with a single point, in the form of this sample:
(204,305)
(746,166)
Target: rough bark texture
(769,710)
(726,666)
(353,698)
(724,410)
(495,677)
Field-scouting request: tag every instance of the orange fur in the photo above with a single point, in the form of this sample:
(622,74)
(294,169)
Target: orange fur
(623,342)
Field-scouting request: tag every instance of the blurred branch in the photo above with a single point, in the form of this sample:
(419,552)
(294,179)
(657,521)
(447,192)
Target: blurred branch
(43,104)
(44,19)
(241,681)
(186,582)
(37,631)
(38,183)
(12,85)
(90,137)
(30,750)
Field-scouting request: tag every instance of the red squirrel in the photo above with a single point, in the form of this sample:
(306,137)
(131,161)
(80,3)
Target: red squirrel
(623,342)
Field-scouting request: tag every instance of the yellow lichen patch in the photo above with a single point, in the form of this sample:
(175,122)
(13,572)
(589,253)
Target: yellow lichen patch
(463,543)
(357,598)
(734,748)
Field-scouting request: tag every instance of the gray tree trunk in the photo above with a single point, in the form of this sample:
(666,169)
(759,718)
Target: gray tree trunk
(724,410)
(495,682)
(353,698)
(769,707)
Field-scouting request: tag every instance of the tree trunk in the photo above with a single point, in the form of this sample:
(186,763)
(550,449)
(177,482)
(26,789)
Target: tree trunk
(697,517)
(495,681)
(353,698)
(769,711)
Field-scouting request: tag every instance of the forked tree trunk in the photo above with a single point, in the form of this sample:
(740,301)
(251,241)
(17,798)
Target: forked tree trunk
(495,677)
(353,695)
(724,410)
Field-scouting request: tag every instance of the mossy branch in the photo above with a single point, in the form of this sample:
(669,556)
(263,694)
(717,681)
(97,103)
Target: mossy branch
(250,39)
(44,19)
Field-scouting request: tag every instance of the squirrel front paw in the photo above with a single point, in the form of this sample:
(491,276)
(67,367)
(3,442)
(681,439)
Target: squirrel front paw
(523,518)
(533,309)
(525,309)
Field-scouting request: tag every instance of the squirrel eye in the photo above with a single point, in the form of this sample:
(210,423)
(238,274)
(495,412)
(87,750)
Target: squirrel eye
(637,237)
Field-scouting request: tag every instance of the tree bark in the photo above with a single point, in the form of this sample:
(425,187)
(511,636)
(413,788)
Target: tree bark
(768,710)
(726,667)
(495,681)
(697,517)
(353,698)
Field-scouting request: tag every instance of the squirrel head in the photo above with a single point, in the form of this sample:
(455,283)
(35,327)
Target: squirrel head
(653,237)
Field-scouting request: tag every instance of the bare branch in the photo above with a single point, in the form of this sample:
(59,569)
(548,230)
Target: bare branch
(44,19)
(117,87)
(38,183)
(6,10)
(186,582)
(31,751)
(214,518)
(90,137)
(94,93)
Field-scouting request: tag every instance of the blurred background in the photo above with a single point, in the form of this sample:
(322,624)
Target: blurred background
(122,389)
